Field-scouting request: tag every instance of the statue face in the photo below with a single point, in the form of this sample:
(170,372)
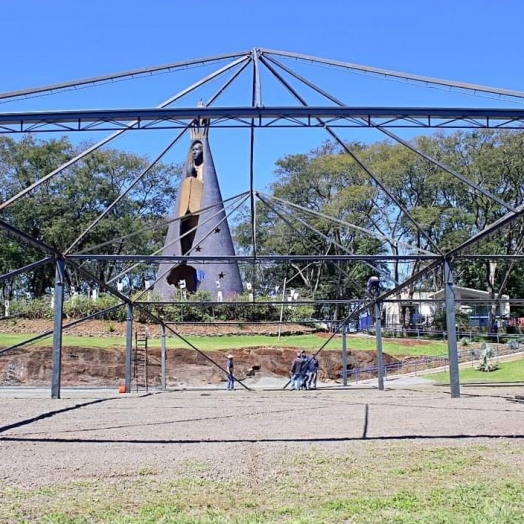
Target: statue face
(197,152)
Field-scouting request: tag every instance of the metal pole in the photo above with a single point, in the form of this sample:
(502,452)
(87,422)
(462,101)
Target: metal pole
(378,335)
(163,357)
(397,74)
(145,364)
(282,309)
(129,346)
(454,379)
(57,329)
(120,132)
(344,356)
(123,74)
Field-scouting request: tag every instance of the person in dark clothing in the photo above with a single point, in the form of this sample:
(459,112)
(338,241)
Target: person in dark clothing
(230,368)
(296,372)
(373,287)
(312,372)
(303,370)
(493,331)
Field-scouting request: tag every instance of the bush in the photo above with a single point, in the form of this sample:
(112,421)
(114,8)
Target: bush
(486,355)
(194,309)
(82,306)
(38,308)
(513,345)
(461,320)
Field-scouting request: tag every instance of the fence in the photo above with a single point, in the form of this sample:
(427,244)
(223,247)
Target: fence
(424,363)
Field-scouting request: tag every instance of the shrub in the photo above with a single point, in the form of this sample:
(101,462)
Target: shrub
(486,355)
(513,345)
(38,308)
(193,309)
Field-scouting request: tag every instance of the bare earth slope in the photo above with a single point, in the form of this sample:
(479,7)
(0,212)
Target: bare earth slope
(84,366)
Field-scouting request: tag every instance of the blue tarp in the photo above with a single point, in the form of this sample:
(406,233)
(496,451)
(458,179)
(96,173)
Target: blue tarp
(365,322)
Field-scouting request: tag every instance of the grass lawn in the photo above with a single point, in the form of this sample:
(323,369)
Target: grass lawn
(397,483)
(394,346)
(507,372)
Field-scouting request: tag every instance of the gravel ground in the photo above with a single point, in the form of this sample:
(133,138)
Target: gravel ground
(96,434)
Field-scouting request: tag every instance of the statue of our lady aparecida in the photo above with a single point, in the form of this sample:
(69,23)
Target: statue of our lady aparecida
(199,227)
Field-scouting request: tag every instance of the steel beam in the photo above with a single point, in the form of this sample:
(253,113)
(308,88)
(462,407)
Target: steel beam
(24,269)
(163,359)
(451,329)
(53,88)
(285,116)
(396,138)
(334,220)
(57,329)
(378,337)
(344,356)
(250,258)
(45,334)
(423,80)
(120,130)
(129,347)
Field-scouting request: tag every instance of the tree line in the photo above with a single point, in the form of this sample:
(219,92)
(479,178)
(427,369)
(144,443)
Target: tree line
(59,210)
(443,212)
(409,205)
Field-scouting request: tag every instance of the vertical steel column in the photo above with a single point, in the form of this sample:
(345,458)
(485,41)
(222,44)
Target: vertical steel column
(344,356)
(282,308)
(454,379)
(129,346)
(57,329)
(378,335)
(163,357)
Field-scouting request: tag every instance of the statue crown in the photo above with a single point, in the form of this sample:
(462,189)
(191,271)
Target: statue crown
(199,127)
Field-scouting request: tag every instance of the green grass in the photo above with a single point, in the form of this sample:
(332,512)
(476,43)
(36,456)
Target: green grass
(7,340)
(393,483)
(507,372)
(310,343)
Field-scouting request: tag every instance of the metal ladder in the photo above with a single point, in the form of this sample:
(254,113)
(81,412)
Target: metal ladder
(140,361)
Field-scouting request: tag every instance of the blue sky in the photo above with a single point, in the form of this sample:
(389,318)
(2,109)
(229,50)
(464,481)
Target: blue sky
(52,41)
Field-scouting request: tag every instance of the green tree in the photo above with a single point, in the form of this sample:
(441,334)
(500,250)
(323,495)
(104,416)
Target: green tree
(59,210)
(322,184)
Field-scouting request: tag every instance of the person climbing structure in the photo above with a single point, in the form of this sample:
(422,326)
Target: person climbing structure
(373,286)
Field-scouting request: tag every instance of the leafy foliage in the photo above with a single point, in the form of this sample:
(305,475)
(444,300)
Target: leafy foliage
(61,209)
(193,309)
(324,203)
(486,355)
(320,203)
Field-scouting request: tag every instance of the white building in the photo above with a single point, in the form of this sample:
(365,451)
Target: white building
(475,303)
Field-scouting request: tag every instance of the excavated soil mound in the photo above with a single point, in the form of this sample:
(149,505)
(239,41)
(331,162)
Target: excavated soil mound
(184,367)
(103,328)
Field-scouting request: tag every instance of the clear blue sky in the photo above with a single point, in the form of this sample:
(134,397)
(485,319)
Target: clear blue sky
(51,41)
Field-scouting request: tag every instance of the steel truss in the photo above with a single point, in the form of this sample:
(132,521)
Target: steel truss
(334,115)
(261,117)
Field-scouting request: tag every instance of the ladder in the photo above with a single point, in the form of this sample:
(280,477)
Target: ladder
(140,363)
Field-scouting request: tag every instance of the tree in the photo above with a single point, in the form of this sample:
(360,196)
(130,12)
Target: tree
(442,210)
(59,211)
(322,184)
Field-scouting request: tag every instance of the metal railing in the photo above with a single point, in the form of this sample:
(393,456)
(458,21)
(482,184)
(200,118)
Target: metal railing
(425,363)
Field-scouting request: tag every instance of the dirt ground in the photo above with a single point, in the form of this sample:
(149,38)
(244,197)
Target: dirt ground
(94,435)
(107,328)
(74,453)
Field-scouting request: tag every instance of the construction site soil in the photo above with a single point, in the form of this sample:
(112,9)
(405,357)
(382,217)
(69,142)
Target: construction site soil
(31,365)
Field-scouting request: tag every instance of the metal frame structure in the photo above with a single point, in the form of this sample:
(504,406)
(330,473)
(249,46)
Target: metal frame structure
(330,117)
